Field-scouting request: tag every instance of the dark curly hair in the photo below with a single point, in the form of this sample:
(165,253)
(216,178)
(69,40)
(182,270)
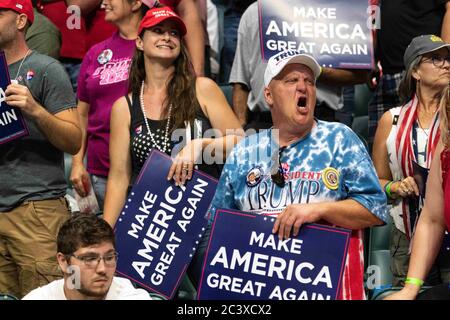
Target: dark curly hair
(83,230)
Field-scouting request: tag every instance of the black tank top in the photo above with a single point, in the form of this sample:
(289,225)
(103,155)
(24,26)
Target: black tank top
(141,143)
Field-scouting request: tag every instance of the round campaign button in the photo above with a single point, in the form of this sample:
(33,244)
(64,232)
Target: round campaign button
(30,75)
(105,56)
(254,176)
(330,177)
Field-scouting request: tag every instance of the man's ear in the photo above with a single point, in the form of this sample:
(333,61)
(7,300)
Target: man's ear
(268,96)
(21,21)
(62,261)
(139,43)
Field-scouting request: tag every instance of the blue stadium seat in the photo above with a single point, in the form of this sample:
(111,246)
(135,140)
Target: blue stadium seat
(360,114)
(379,259)
(186,290)
(362,98)
(156,296)
(5,296)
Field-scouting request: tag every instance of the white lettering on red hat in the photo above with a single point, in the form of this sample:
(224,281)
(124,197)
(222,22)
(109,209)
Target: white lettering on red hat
(163,14)
(18,5)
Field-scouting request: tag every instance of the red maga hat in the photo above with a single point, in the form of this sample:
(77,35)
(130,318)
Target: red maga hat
(157,15)
(19,6)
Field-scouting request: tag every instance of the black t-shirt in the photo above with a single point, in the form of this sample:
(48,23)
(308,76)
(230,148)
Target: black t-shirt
(401,21)
(141,143)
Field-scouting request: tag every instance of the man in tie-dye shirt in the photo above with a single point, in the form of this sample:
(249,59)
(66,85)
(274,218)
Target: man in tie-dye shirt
(304,170)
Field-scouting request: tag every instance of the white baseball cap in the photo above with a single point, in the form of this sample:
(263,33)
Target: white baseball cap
(277,62)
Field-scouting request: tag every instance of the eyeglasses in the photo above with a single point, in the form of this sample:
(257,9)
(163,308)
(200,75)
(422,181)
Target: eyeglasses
(277,174)
(92,261)
(438,61)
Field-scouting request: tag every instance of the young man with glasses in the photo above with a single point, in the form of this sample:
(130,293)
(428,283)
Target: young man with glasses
(308,170)
(87,257)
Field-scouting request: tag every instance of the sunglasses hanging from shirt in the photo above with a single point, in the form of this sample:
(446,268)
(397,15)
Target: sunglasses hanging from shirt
(276,171)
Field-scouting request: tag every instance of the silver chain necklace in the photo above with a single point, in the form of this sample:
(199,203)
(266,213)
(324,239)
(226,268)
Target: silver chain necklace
(165,143)
(21,63)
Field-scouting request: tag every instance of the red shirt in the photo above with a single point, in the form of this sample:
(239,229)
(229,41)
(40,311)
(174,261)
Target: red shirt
(77,40)
(73,43)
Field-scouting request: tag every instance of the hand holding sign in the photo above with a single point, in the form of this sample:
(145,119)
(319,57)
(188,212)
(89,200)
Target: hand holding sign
(183,164)
(12,124)
(19,96)
(161,226)
(294,216)
(250,263)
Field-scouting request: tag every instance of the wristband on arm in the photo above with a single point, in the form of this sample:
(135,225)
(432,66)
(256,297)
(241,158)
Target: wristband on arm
(415,281)
(387,189)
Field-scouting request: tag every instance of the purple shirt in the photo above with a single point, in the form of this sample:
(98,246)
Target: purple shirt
(100,85)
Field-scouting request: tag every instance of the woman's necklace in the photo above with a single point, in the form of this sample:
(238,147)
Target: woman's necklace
(419,122)
(165,143)
(421,127)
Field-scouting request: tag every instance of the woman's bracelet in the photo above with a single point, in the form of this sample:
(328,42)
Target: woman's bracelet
(387,189)
(416,281)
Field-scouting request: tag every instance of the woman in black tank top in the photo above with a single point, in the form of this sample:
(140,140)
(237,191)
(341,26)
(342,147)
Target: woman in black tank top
(168,109)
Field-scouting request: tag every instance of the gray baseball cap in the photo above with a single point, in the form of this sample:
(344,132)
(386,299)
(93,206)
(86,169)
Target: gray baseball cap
(421,45)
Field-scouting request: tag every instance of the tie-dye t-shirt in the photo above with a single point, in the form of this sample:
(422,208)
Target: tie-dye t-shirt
(329,164)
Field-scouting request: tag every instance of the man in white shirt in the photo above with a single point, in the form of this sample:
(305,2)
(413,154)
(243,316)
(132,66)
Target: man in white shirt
(88,259)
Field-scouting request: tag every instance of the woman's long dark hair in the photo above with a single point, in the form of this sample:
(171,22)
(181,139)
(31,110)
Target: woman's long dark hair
(408,85)
(181,92)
